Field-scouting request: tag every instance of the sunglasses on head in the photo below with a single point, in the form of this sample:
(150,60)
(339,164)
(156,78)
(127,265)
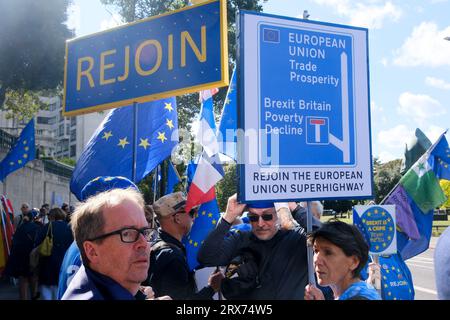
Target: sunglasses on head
(255,217)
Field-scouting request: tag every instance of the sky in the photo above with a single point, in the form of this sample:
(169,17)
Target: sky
(409,60)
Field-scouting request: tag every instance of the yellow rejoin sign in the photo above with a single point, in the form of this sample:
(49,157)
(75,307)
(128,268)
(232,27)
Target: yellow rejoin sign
(179,52)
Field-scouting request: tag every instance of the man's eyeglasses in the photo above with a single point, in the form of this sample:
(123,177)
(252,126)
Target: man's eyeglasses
(255,217)
(130,234)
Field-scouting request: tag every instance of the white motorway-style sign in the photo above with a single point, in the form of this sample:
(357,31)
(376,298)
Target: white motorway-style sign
(304,108)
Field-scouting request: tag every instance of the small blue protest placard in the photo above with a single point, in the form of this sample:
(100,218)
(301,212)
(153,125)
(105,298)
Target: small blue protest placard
(377,223)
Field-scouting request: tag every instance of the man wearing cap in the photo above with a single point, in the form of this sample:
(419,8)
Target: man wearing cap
(169,272)
(277,242)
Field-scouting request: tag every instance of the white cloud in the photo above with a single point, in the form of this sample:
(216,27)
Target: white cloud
(437,83)
(114,21)
(386,156)
(377,113)
(384,62)
(425,47)
(367,13)
(419,107)
(434,132)
(74,17)
(395,138)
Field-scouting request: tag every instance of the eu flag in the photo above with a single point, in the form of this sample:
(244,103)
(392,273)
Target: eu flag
(22,151)
(205,220)
(109,152)
(172,178)
(228,122)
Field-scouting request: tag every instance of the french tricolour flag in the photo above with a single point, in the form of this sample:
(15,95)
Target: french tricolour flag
(209,169)
(206,134)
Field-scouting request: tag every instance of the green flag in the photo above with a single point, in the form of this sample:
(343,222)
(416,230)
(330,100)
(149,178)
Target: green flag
(422,185)
(415,149)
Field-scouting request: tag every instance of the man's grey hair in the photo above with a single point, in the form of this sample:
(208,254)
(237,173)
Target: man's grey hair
(88,221)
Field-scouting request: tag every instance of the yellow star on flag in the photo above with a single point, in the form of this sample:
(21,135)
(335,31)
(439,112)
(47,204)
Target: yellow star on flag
(203,213)
(214,222)
(209,215)
(25,156)
(26,148)
(11,163)
(24,141)
(144,143)
(169,123)
(123,142)
(161,136)
(107,135)
(168,106)
(19,161)
(195,244)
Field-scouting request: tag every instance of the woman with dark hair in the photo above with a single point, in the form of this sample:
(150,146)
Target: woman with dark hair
(49,266)
(340,253)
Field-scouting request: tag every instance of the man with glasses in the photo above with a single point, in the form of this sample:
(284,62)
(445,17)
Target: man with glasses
(72,260)
(114,241)
(276,242)
(169,272)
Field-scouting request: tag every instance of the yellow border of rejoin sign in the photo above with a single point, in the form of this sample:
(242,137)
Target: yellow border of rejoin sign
(122,103)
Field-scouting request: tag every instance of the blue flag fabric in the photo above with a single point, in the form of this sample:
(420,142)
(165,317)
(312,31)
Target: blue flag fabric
(357,221)
(408,247)
(172,178)
(396,279)
(227,136)
(441,152)
(205,220)
(110,150)
(22,151)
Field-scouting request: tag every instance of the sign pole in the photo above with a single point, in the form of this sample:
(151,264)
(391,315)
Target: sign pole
(135,125)
(312,279)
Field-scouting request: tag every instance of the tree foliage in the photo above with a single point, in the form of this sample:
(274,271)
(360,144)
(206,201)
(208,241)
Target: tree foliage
(32,48)
(445,185)
(227,186)
(386,176)
(32,43)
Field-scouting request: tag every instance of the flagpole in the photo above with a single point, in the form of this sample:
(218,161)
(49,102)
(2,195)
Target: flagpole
(311,278)
(135,124)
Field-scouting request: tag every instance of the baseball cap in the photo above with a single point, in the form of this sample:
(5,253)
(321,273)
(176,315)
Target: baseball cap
(169,204)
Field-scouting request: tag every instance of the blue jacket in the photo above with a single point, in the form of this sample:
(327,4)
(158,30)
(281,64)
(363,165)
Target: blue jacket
(90,285)
(70,265)
(442,265)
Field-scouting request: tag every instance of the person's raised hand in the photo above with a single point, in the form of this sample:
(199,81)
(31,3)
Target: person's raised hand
(234,209)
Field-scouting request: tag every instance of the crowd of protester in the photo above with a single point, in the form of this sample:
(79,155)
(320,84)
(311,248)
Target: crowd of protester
(113,246)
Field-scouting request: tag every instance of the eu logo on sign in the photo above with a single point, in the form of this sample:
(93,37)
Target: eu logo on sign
(271,35)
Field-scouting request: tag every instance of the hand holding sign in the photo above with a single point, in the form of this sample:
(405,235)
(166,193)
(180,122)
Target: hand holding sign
(234,209)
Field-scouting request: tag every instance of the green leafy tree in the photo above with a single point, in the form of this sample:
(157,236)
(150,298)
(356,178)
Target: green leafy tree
(32,48)
(227,186)
(445,185)
(385,178)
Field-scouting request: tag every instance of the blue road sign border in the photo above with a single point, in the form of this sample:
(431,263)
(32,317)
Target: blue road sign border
(241,112)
